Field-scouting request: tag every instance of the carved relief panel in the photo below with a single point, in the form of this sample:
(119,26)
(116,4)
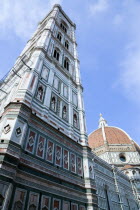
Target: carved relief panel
(56,83)
(31,141)
(50,151)
(45,73)
(40,147)
(73,162)
(65,159)
(65,91)
(58,155)
(79,166)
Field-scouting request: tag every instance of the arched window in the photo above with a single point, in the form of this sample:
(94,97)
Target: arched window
(66,64)
(59,36)
(64,26)
(56,54)
(67,44)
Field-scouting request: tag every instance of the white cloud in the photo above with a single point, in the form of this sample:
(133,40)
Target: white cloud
(130,75)
(122,21)
(20,17)
(118,19)
(98,6)
(130,65)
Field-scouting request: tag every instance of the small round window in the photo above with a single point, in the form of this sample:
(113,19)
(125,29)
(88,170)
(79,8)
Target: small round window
(122,157)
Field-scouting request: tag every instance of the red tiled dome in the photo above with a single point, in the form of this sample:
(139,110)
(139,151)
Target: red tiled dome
(113,136)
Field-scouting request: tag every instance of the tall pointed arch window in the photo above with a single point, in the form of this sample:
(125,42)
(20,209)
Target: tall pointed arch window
(59,36)
(67,44)
(66,63)
(64,26)
(56,54)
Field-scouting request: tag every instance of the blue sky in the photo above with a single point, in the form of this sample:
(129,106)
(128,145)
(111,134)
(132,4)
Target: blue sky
(108,37)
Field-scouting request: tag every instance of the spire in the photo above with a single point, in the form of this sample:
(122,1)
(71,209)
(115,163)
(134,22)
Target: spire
(102,122)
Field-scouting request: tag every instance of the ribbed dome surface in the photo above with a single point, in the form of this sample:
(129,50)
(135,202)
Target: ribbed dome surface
(113,136)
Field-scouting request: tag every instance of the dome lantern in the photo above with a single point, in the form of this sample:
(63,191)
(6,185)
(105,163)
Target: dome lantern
(102,122)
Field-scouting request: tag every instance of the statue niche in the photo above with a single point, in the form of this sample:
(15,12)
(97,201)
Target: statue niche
(64,113)
(75,120)
(40,93)
(53,103)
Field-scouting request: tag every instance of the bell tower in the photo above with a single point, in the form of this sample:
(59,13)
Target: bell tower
(46,77)
(45,161)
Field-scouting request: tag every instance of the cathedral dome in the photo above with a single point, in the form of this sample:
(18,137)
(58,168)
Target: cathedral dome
(110,135)
(107,134)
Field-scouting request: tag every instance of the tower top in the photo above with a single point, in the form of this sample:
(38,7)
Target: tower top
(57,5)
(102,122)
(62,11)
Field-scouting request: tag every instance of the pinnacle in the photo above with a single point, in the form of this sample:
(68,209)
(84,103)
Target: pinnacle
(57,5)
